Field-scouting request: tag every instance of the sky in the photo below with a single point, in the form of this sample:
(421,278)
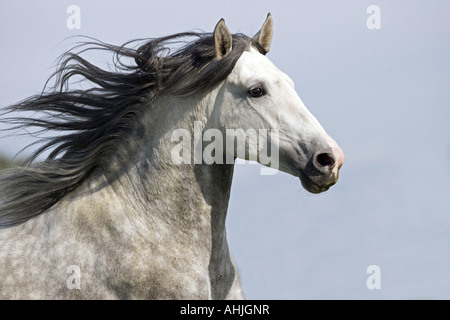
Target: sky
(382,93)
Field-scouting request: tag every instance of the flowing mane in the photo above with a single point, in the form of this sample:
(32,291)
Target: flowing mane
(91,123)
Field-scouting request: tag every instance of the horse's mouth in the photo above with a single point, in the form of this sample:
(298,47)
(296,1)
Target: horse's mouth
(312,186)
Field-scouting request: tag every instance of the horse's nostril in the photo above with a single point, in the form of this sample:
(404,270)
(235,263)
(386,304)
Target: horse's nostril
(325,159)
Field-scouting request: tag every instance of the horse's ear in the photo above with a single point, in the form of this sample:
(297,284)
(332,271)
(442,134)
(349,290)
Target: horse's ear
(264,36)
(222,39)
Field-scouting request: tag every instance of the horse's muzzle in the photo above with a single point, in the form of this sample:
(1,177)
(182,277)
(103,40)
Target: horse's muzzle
(322,170)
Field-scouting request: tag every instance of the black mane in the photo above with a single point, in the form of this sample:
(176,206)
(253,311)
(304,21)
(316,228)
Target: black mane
(90,122)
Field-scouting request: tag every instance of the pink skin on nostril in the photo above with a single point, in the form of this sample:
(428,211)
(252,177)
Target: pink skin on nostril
(338,154)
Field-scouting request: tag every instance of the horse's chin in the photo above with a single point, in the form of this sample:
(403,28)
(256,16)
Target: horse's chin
(311,186)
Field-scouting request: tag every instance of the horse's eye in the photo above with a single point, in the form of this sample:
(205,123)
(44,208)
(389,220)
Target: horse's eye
(256,92)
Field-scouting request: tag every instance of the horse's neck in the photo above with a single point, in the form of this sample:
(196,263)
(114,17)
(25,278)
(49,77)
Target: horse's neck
(188,197)
(163,212)
(190,201)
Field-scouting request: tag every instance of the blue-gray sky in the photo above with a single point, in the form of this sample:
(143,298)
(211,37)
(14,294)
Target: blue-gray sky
(382,94)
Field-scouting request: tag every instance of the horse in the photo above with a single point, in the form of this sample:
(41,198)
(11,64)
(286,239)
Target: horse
(121,207)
